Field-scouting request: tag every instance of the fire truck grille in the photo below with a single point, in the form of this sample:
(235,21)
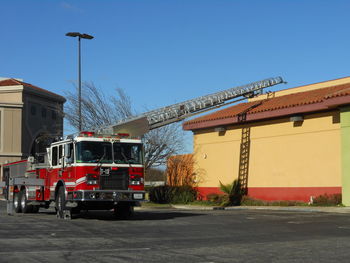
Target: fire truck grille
(117,180)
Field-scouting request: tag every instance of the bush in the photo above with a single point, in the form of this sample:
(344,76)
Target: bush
(160,194)
(234,193)
(183,194)
(217,199)
(172,194)
(213,198)
(248,201)
(328,200)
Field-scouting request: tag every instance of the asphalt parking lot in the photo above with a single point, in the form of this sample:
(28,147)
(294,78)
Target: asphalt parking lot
(172,235)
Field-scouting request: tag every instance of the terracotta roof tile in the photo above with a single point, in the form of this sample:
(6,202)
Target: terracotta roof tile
(268,106)
(14,82)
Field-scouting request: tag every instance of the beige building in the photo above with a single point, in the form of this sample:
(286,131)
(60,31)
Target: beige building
(28,116)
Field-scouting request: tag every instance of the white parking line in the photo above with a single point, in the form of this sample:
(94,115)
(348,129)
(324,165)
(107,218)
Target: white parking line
(74,251)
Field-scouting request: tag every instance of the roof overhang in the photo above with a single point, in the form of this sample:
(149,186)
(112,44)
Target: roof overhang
(326,105)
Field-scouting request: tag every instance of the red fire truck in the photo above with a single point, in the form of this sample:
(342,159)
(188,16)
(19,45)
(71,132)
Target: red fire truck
(93,171)
(88,171)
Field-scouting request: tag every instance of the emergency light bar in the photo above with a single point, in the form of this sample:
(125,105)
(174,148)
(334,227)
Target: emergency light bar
(93,134)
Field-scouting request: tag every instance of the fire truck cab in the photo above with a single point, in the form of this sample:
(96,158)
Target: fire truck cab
(84,172)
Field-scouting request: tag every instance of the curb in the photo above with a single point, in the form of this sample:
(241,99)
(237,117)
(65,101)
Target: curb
(336,210)
(339,210)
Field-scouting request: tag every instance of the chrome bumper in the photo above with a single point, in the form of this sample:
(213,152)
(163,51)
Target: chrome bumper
(106,195)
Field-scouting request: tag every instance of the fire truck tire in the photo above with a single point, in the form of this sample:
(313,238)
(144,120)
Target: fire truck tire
(124,210)
(60,202)
(16,202)
(24,202)
(35,208)
(75,210)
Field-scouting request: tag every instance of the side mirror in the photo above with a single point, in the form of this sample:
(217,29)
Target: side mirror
(31,159)
(67,160)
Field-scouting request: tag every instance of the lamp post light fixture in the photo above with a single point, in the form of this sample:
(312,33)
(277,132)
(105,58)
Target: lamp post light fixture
(80,36)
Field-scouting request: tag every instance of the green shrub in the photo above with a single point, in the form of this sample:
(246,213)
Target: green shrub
(234,193)
(328,200)
(160,194)
(248,201)
(217,199)
(172,194)
(183,194)
(213,198)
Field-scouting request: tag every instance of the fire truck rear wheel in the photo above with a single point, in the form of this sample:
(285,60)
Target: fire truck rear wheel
(16,202)
(60,202)
(24,202)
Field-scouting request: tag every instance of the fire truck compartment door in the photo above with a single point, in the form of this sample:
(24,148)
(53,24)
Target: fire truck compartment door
(28,181)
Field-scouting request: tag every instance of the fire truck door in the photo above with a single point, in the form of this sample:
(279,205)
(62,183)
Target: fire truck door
(67,161)
(53,172)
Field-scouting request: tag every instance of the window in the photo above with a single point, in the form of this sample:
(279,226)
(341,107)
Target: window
(43,112)
(53,114)
(54,156)
(94,152)
(59,154)
(33,110)
(128,153)
(68,152)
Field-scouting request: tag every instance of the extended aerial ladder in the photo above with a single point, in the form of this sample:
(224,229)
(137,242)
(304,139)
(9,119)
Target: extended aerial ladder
(141,124)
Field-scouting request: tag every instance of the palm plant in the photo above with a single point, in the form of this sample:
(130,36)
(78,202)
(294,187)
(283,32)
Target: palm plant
(233,193)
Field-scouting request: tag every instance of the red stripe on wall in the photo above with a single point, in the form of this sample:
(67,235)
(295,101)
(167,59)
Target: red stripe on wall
(204,191)
(277,193)
(290,193)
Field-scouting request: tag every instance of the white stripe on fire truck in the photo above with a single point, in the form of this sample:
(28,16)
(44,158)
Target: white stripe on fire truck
(80,180)
(70,183)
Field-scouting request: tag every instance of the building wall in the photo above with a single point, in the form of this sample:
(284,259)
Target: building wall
(19,127)
(41,116)
(10,143)
(287,161)
(345,153)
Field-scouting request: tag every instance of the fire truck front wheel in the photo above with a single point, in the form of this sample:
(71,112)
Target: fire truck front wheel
(60,202)
(124,210)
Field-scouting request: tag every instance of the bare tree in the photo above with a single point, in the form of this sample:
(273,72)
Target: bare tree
(100,109)
(161,143)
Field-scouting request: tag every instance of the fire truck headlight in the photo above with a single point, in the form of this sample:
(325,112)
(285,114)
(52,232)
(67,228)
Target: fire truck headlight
(135,180)
(92,182)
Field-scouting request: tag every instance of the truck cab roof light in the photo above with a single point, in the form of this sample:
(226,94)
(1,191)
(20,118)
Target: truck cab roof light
(123,135)
(87,134)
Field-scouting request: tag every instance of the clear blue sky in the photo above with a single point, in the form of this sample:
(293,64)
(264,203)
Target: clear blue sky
(162,52)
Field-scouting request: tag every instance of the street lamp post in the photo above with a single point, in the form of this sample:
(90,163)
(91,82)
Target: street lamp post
(80,36)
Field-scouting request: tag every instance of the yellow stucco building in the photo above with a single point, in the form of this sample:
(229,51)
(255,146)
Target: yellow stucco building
(292,144)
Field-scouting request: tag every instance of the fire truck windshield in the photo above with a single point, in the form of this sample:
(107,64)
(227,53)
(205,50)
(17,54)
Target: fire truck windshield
(94,152)
(129,153)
